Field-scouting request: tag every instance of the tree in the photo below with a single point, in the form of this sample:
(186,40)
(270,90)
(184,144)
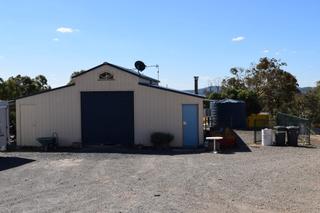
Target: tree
(237,81)
(250,97)
(18,86)
(75,73)
(276,88)
(214,96)
(235,87)
(309,105)
(264,86)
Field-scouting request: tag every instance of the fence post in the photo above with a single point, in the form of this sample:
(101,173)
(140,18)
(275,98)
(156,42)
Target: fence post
(254,130)
(309,133)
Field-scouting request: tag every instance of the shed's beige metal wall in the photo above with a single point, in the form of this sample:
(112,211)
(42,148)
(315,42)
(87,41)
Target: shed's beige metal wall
(43,114)
(60,110)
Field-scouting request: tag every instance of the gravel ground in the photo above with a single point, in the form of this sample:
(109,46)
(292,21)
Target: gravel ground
(265,179)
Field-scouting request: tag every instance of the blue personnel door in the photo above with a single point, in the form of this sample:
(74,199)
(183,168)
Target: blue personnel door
(190,125)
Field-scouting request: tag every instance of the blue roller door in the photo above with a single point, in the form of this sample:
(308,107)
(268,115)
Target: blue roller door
(107,118)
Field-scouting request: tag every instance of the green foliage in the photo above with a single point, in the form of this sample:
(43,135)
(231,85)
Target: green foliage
(215,96)
(264,86)
(75,73)
(161,140)
(252,102)
(249,96)
(235,88)
(18,86)
(276,88)
(309,105)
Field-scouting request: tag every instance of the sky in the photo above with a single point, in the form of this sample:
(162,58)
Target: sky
(185,38)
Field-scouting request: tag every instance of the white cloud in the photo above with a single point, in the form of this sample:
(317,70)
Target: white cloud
(56,39)
(66,30)
(266,51)
(238,39)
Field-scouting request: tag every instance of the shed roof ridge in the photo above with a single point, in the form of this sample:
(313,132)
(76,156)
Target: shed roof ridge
(130,71)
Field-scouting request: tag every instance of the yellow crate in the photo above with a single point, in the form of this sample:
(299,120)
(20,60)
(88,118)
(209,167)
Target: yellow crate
(260,120)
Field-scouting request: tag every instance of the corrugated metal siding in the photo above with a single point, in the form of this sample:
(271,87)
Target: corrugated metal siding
(55,111)
(59,110)
(159,110)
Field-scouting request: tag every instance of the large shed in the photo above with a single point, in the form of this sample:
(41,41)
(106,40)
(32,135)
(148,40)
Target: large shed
(109,104)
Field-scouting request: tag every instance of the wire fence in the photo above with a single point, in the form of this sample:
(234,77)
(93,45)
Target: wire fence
(283,119)
(304,125)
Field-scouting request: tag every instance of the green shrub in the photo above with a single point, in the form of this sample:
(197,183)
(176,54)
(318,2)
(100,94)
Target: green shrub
(161,140)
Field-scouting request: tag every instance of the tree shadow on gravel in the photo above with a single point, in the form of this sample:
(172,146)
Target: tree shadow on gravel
(12,162)
(141,150)
(240,146)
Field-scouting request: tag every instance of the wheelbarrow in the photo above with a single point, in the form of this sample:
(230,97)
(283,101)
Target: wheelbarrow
(48,142)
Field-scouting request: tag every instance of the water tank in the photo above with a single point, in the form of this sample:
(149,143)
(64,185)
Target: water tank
(228,113)
(213,113)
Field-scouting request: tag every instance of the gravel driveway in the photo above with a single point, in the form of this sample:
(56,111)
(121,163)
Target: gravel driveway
(267,179)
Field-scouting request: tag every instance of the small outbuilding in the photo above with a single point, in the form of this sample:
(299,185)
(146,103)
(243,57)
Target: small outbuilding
(109,104)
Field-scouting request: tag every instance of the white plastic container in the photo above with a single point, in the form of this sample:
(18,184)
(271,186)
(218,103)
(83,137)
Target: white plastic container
(266,135)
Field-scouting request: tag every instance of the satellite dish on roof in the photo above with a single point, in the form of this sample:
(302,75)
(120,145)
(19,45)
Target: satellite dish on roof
(139,65)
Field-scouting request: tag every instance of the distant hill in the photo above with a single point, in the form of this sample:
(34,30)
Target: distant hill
(305,89)
(205,90)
